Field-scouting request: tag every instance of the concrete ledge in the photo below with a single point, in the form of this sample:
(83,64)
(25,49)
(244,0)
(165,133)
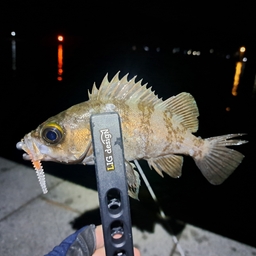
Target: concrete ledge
(32,223)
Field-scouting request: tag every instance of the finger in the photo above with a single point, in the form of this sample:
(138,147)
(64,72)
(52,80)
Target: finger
(136,252)
(100,252)
(99,237)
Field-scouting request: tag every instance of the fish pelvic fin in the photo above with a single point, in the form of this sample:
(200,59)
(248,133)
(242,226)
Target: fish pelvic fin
(216,161)
(133,180)
(170,164)
(184,110)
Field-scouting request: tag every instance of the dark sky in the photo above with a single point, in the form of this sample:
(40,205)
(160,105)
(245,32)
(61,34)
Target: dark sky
(167,22)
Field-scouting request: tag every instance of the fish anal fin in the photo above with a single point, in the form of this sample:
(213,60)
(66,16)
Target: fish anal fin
(151,164)
(170,164)
(184,110)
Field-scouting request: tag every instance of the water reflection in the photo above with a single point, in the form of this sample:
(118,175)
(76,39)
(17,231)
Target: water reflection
(254,86)
(237,77)
(239,70)
(60,58)
(13,34)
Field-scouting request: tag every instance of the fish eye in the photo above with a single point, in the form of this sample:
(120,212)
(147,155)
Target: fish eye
(52,133)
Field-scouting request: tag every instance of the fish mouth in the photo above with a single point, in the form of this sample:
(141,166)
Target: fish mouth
(29,145)
(26,156)
(21,146)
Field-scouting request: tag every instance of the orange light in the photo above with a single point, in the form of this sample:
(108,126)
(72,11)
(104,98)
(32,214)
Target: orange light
(239,66)
(60,38)
(60,62)
(60,71)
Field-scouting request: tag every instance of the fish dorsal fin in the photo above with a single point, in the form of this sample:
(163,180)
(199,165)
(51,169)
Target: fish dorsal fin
(170,164)
(182,107)
(184,110)
(123,89)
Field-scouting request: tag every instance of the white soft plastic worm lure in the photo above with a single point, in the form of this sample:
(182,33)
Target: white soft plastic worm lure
(37,166)
(40,175)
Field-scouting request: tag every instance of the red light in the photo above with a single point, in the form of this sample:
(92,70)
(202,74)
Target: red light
(60,38)
(60,71)
(60,61)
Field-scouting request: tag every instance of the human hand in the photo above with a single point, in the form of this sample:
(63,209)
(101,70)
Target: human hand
(87,241)
(100,249)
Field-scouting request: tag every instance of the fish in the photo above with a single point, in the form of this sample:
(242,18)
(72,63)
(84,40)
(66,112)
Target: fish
(158,131)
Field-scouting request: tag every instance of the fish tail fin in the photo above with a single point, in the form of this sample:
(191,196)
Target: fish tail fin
(216,161)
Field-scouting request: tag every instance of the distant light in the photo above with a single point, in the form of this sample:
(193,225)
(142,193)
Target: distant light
(13,33)
(134,48)
(176,50)
(242,49)
(189,52)
(158,49)
(211,51)
(60,71)
(146,48)
(60,38)
(227,56)
(227,109)
(196,53)
(244,59)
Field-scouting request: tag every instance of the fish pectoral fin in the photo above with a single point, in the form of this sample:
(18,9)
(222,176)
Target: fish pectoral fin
(133,180)
(170,164)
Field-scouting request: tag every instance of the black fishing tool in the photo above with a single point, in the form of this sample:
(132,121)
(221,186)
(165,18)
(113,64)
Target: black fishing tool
(112,184)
